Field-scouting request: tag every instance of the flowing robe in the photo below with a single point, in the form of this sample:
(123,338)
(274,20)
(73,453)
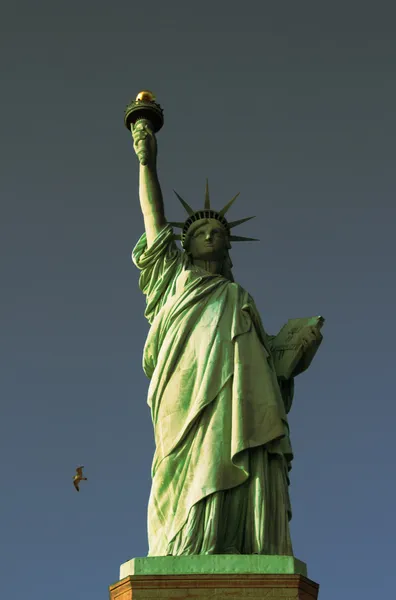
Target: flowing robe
(220,469)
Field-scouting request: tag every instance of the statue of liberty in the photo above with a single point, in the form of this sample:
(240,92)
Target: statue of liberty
(220,473)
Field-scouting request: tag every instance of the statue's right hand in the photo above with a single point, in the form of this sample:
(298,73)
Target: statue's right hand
(144,142)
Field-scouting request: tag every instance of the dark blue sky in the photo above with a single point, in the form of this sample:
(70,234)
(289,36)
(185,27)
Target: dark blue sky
(293,105)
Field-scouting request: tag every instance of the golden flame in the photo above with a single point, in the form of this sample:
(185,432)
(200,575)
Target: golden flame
(145,96)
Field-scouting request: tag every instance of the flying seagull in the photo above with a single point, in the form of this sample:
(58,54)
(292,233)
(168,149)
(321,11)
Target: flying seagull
(79,477)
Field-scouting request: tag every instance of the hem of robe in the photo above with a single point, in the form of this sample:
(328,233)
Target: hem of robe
(250,518)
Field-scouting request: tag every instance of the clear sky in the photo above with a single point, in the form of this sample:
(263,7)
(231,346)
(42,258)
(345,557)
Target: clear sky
(293,105)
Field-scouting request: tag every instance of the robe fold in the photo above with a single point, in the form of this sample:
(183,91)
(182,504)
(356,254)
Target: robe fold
(223,453)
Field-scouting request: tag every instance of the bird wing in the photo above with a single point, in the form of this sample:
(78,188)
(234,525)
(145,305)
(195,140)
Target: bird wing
(79,471)
(76,485)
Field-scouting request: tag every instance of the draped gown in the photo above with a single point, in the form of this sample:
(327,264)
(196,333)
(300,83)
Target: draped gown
(220,482)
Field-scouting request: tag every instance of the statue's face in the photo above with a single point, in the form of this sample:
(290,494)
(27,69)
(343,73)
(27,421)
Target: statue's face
(207,240)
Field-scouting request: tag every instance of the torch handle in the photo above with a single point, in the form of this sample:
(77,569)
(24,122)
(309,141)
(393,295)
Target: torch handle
(141,149)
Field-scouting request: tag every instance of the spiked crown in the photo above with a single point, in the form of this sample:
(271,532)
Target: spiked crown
(209,213)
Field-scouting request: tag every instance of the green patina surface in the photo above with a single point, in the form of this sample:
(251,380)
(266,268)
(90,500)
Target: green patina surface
(218,395)
(223,453)
(214,564)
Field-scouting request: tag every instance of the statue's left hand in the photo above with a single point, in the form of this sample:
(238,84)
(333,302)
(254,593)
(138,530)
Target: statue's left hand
(311,338)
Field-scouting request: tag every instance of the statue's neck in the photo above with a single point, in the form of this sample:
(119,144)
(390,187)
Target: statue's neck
(211,266)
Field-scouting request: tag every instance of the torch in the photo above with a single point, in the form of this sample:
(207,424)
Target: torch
(144,108)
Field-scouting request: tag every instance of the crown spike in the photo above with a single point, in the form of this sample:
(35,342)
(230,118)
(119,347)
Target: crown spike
(207,198)
(239,238)
(227,206)
(179,224)
(188,208)
(235,223)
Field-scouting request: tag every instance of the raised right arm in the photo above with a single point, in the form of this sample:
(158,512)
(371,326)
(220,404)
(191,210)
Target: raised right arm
(150,195)
(151,202)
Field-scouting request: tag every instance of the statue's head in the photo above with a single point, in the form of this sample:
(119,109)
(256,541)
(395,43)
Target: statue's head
(206,233)
(207,239)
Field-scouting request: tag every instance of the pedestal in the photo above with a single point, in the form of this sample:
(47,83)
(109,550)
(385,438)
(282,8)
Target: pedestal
(214,577)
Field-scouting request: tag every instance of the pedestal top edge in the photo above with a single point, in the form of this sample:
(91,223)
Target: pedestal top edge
(221,564)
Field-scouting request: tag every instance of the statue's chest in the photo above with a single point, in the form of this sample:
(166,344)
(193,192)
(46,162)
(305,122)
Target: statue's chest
(192,276)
